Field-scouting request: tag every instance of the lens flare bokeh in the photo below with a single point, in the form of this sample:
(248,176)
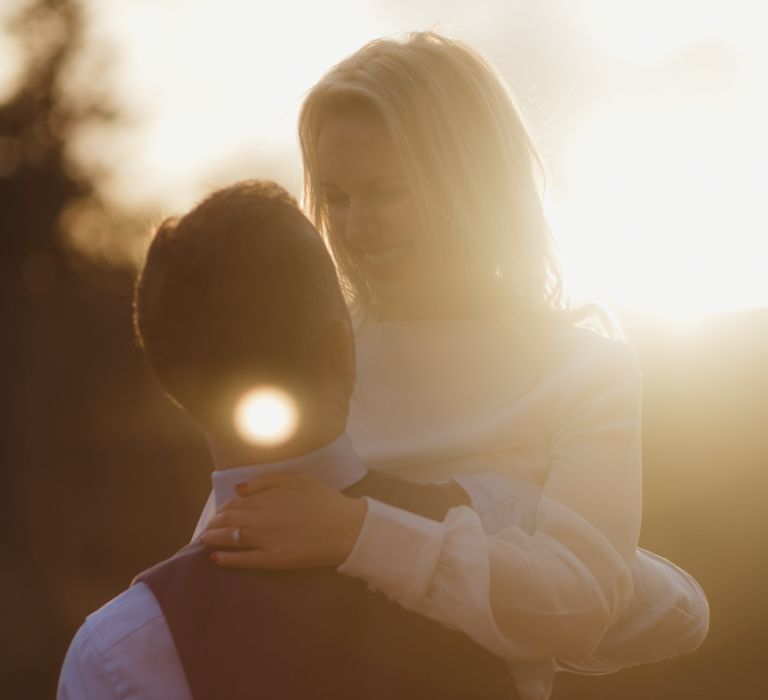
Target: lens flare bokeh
(266,416)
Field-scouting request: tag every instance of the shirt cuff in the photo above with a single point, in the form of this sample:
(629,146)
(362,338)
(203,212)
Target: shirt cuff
(396,553)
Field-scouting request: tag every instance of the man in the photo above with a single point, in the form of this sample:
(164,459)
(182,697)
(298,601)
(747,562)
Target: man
(240,294)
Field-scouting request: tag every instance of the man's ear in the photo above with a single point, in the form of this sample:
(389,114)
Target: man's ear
(340,356)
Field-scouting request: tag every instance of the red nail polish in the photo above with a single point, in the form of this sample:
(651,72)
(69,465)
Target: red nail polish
(240,489)
(215,557)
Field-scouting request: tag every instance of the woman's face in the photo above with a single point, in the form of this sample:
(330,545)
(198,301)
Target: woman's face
(373,213)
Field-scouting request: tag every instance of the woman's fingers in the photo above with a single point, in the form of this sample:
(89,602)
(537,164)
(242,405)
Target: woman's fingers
(253,492)
(293,521)
(229,537)
(236,518)
(264,483)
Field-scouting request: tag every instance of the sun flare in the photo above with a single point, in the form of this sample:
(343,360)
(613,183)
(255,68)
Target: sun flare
(266,416)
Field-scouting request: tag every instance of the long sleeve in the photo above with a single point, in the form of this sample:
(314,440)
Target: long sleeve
(552,592)
(85,675)
(124,650)
(668,614)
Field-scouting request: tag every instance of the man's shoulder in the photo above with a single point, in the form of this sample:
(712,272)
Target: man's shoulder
(124,649)
(131,612)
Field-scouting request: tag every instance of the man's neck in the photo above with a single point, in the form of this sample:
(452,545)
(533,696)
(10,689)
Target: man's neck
(230,453)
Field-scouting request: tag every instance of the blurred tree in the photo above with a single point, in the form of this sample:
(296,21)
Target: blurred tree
(37,182)
(76,391)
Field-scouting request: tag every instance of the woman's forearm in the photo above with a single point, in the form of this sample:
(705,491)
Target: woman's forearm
(521,596)
(549,587)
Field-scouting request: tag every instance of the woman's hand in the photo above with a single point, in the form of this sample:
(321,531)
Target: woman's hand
(285,521)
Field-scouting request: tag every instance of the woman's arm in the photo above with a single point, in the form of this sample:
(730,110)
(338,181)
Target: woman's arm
(399,553)
(667,616)
(551,592)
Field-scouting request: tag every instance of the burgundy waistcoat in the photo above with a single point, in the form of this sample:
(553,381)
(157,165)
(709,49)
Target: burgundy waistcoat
(316,633)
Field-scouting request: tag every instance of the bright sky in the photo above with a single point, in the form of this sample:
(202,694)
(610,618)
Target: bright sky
(652,118)
(665,180)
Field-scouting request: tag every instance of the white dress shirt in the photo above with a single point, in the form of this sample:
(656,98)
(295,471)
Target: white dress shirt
(125,649)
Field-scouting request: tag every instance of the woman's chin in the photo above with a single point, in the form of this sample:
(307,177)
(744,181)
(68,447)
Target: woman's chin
(404,293)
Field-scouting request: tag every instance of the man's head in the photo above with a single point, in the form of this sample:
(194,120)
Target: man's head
(239,293)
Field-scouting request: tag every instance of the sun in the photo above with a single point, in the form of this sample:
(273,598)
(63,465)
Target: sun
(661,205)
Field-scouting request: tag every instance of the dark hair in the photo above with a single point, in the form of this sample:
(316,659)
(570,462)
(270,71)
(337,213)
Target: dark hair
(235,294)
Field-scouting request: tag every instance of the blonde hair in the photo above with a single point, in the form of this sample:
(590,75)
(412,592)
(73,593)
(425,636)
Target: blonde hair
(471,163)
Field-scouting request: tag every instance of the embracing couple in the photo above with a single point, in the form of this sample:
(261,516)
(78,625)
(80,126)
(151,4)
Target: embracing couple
(456,511)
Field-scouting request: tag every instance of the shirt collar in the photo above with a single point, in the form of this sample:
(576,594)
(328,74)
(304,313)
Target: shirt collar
(336,464)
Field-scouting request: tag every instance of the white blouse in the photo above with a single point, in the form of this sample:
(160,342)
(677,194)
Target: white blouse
(562,419)
(545,437)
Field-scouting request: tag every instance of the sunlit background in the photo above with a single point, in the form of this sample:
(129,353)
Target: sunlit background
(651,117)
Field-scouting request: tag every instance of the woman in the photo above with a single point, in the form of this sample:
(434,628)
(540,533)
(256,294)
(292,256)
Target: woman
(421,175)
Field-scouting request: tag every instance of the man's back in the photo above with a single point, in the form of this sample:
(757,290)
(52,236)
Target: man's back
(310,634)
(192,629)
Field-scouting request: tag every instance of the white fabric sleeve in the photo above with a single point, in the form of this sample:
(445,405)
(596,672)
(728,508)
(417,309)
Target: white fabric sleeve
(124,650)
(501,500)
(550,593)
(668,614)
(84,675)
